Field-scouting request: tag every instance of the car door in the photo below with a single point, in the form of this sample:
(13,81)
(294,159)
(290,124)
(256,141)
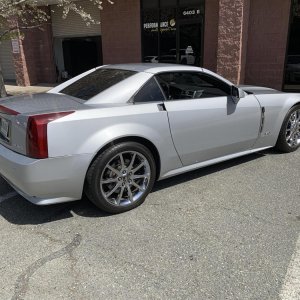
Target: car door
(205,122)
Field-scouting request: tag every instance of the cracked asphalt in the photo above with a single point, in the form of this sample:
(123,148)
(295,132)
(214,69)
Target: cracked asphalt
(223,232)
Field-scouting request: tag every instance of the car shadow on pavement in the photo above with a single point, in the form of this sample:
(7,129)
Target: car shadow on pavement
(206,171)
(19,211)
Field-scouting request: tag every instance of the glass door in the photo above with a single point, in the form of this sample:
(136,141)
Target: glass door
(189,48)
(172,31)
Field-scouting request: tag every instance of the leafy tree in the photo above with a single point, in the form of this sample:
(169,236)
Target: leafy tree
(17,15)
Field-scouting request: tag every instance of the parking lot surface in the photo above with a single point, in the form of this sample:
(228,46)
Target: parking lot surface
(230,231)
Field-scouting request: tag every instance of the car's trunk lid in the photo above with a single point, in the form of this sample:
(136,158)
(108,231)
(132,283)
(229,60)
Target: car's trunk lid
(40,103)
(14,113)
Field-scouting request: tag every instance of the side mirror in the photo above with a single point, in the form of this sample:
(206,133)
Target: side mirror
(237,94)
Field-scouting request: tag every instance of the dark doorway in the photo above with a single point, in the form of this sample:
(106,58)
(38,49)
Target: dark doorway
(81,54)
(292,68)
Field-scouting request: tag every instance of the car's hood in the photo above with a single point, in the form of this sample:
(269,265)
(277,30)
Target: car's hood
(258,90)
(40,103)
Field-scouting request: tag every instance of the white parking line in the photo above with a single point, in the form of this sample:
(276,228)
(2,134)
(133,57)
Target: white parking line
(291,286)
(7,196)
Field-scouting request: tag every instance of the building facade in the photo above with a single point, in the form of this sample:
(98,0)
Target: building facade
(247,41)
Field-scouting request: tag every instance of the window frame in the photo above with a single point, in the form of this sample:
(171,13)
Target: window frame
(195,72)
(73,91)
(131,100)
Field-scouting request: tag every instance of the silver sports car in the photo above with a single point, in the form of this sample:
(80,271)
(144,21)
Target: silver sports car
(113,131)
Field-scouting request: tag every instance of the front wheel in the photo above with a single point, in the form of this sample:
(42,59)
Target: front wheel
(289,136)
(121,177)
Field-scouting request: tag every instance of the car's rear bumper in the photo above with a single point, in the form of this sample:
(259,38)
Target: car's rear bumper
(45,181)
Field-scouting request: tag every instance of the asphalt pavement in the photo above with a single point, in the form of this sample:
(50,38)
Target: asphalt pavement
(230,231)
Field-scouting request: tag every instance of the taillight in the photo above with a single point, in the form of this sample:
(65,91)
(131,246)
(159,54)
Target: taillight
(7,111)
(36,137)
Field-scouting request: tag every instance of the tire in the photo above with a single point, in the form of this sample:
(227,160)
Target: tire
(290,128)
(121,177)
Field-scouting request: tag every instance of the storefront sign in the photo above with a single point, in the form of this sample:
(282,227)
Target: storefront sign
(164,26)
(15,46)
(191,12)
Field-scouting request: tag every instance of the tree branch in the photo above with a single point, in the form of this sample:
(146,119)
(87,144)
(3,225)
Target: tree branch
(8,31)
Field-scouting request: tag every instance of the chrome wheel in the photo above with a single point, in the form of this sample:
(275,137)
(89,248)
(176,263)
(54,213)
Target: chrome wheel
(293,130)
(125,178)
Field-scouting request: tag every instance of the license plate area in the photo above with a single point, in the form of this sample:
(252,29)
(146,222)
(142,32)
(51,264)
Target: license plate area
(4,129)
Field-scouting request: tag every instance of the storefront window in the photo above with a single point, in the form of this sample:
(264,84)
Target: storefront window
(172,31)
(168,3)
(168,35)
(150,34)
(150,4)
(292,69)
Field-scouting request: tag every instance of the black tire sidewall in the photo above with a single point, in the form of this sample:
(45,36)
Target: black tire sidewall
(93,190)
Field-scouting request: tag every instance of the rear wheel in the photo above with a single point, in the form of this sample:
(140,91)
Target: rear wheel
(121,177)
(289,136)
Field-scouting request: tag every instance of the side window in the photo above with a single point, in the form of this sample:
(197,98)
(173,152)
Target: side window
(192,85)
(149,92)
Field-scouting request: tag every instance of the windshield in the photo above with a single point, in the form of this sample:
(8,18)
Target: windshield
(96,82)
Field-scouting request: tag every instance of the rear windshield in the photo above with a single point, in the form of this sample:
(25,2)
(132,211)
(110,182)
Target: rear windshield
(96,82)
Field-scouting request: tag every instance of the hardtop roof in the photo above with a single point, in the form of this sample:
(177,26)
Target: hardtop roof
(153,68)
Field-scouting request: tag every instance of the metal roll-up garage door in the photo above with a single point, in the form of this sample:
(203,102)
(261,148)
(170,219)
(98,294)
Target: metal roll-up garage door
(6,61)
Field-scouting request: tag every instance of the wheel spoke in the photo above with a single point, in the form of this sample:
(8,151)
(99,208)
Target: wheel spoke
(132,162)
(138,167)
(289,137)
(113,190)
(117,172)
(294,139)
(109,180)
(130,196)
(118,201)
(122,161)
(141,176)
(137,186)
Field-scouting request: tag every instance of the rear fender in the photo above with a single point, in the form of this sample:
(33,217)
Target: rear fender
(77,135)
(164,145)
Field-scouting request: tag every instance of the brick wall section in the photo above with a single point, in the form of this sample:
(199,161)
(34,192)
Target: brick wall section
(35,63)
(267,41)
(211,35)
(244,41)
(232,37)
(121,32)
